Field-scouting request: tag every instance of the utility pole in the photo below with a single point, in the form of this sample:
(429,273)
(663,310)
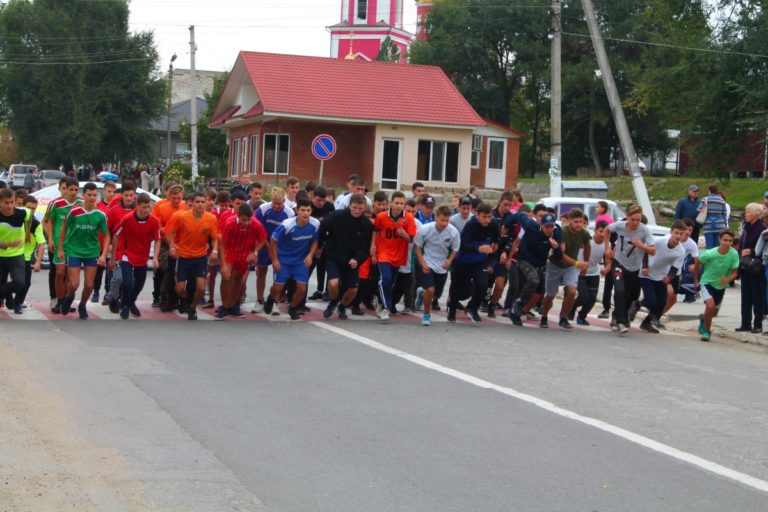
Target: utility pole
(556,144)
(170,102)
(627,146)
(193,105)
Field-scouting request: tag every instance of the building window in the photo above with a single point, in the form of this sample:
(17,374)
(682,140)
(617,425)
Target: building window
(254,153)
(438,161)
(182,148)
(477,146)
(275,155)
(361,13)
(496,154)
(235,171)
(244,162)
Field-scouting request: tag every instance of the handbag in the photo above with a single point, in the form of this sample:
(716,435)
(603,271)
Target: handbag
(701,218)
(751,264)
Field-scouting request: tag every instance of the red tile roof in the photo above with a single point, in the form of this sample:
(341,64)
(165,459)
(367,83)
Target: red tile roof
(380,91)
(224,116)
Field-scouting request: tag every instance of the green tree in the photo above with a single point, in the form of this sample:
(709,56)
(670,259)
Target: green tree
(212,148)
(77,85)
(388,52)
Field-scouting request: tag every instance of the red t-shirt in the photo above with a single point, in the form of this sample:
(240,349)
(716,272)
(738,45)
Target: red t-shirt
(225,215)
(240,239)
(116,213)
(135,238)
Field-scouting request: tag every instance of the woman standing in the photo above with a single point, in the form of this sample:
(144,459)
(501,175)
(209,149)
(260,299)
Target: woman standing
(752,284)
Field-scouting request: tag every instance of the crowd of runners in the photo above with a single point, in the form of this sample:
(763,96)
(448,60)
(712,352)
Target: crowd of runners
(390,254)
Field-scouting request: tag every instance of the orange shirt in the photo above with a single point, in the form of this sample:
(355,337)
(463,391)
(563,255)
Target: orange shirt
(390,247)
(163,211)
(191,235)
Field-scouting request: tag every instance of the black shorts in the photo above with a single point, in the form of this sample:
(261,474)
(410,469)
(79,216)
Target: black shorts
(710,292)
(432,280)
(191,268)
(341,271)
(675,282)
(500,270)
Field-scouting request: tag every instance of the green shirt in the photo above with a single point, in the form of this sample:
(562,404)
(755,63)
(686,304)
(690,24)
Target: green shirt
(58,212)
(83,228)
(12,228)
(574,242)
(717,266)
(37,238)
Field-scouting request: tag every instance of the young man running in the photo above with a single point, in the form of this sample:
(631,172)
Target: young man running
(345,236)
(34,248)
(118,209)
(634,241)
(589,283)
(564,266)
(241,238)
(292,249)
(721,266)
(394,230)
(189,233)
(437,245)
(292,187)
(79,241)
(464,213)
(107,194)
(52,223)
(356,185)
(658,272)
(14,228)
(321,209)
(469,276)
(165,276)
(691,250)
(270,215)
(133,239)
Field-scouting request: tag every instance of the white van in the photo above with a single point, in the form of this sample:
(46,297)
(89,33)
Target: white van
(17,173)
(563,205)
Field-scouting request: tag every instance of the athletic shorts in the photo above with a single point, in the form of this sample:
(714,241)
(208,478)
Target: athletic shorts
(432,280)
(341,271)
(80,262)
(675,282)
(264,260)
(239,265)
(555,276)
(710,292)
(191,268)
(56,260)
(298,273)
(500,270)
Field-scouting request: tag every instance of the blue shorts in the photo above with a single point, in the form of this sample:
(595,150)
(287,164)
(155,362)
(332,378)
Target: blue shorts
(264,260)
(191,268)
(432,280)
(73,262)
(342,271)
(298,273)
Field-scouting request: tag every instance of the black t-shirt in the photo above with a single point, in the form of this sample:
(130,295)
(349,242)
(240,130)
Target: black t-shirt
(320,213)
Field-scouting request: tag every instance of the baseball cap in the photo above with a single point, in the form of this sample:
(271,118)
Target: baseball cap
(766,194)
(548,219)
(468,200)
(428,200)
(693,188)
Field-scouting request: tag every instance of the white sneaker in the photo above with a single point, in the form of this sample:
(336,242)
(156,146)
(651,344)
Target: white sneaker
(623,329)
(384,314)
(26,305)
(53,302)
(257,308)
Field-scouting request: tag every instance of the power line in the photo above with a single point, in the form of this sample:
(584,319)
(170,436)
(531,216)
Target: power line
(71,63)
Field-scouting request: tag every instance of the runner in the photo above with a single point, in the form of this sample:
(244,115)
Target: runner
(241,238)
(134,235)
(270,215)
(405,284)
(118,209)
(589,283)
(389,248)
(691,251)
(469,276)
(237,199)
(189,233)
(367,290)
(79,242)
(291,250)
(437,245)
(565,266)
(658,272)
(292,187)
(14,229)
(721,266)
(255,194)
(164,294)
(499,268)
(634,241)
(321,209)
(356,185)
(426,206)
(460,219)
(346,239)
(52,223)
(51,249)
(34,248)
(107,194)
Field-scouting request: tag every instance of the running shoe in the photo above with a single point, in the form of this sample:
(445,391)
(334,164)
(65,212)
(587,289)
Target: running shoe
(124,313)
(330,308)
(705,336)
(623,328)
(605,314)
(649,328)
(426,320)
(565,324)
(220,315)
(294,314)
(451,314)
(135,311)
(316,296)
(702,329)
(474,315)
(357,311)
(516,320)
(544,323)
(236,312)
(17,309)
(342,312)
(82,312)
(269,305)
(384,314)
(95,297)
(581,321)
(192,314)
(258,307)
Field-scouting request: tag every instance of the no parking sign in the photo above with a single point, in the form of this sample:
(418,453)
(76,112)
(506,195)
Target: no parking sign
(323,147)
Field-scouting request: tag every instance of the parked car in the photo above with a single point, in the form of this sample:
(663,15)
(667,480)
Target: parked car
(587,205)
(4,176)
(48,178)
(48,194)
(17,174)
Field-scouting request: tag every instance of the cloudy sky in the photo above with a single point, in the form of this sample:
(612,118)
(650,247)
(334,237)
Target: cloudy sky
(224,27)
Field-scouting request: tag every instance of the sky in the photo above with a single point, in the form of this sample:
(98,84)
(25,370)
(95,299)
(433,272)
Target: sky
(225,27)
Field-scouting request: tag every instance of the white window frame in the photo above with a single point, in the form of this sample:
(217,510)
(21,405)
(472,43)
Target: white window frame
(264,152)
(254,155)
(445,159)
(244,155)
(400,143)
(356,19)
(477,147)
(503,156)
(235,157)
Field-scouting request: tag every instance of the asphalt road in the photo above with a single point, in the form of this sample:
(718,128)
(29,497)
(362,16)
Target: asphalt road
(295,417)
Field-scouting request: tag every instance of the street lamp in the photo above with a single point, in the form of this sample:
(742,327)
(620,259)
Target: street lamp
(170,100)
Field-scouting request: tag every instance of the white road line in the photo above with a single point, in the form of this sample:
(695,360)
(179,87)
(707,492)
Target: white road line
(695,460)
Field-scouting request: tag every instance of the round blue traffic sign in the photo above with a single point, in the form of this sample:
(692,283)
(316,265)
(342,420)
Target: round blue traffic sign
(324,147)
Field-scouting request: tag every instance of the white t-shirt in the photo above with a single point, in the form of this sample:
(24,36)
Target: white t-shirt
(459,222)
(665,257)
(627,255)
(595,258)
(342,201)
(691,249)
(406,269)
(437,245)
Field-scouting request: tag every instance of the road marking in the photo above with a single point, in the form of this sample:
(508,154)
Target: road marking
(641,440)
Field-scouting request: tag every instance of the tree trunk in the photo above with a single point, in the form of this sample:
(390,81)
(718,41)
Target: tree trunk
(620,163)
(592,144)
(535,141)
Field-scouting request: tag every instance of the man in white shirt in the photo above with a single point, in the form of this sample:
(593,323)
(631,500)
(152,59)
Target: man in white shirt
(460,219)
(688,242)
(589,283)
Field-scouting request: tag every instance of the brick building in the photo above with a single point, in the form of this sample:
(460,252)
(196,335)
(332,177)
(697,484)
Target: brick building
(393,123)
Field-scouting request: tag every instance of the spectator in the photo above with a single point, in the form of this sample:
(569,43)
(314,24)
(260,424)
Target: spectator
(602,215)
(715,221)
(752,284)
(157,177)
(145,177)
(243,185)
(688,208)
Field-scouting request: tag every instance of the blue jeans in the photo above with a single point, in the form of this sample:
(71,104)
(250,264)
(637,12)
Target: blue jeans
(712,239)
(133,282)
(386,283)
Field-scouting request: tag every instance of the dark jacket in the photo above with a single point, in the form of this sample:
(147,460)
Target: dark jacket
(687,208)
(344,237)
(534,246)
(473,236)
(750,235)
